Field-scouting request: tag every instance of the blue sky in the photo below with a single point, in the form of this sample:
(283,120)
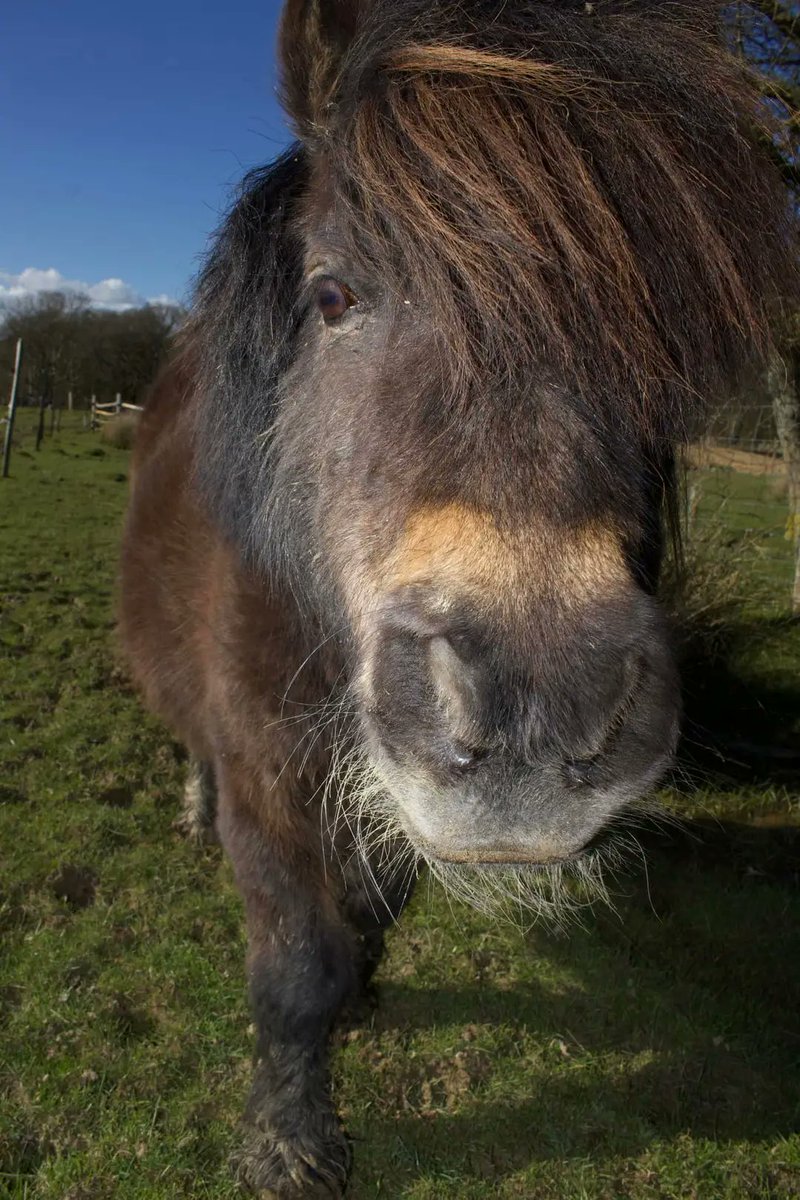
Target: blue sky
(123,129)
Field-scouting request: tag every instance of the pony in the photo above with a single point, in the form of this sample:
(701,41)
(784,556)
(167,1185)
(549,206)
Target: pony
(400,498)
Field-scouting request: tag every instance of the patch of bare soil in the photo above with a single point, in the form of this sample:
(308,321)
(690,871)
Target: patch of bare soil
(75,885)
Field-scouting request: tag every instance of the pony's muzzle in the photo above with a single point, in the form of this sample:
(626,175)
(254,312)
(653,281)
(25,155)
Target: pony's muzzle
(504,743)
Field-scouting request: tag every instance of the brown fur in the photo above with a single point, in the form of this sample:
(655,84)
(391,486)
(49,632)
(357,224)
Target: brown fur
(213,649)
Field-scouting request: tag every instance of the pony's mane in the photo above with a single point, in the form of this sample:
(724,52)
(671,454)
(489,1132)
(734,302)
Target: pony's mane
(575,188)
(241,335)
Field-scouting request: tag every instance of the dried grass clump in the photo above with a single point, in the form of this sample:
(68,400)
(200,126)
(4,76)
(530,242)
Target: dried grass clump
(120,432)
(708,593)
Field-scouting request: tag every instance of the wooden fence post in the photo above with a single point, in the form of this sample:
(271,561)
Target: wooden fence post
(93,420)
(40,426)
(12,408)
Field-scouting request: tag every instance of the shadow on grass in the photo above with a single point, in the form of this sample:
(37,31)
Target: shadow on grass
(683,1018)
(741,689)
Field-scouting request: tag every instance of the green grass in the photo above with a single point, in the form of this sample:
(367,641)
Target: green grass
(745,517)
(653,1053)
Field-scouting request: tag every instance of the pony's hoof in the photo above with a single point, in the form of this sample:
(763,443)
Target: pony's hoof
(313,1165)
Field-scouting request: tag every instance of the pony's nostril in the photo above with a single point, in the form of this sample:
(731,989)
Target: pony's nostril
(581,772)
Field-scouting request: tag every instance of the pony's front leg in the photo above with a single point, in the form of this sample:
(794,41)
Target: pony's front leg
(302,968)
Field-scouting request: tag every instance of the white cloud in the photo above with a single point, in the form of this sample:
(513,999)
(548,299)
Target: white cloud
(112,294)
(162,298)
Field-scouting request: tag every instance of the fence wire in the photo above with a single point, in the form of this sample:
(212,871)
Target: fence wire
(737,509)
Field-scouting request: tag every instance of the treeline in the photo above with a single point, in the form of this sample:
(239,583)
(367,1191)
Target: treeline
(71,347)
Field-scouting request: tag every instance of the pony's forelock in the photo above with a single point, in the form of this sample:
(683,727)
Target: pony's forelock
(572,192)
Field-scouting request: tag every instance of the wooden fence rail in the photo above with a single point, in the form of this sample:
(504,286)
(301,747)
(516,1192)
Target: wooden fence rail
(102,410)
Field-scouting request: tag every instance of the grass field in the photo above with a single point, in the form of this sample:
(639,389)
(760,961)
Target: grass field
(653,1053)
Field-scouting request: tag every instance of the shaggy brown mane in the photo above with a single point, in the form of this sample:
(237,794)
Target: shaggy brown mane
(572,184)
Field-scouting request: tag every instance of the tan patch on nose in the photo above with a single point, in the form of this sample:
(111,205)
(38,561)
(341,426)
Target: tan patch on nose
(447,544)
(455,547)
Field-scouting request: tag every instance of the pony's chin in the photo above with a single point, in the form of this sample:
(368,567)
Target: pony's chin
(494,855)
(481,859)
(525,830)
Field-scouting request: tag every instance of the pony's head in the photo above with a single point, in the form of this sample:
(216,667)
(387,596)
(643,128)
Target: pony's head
(450,341)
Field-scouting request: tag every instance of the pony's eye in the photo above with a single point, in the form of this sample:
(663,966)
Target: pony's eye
(334,299)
